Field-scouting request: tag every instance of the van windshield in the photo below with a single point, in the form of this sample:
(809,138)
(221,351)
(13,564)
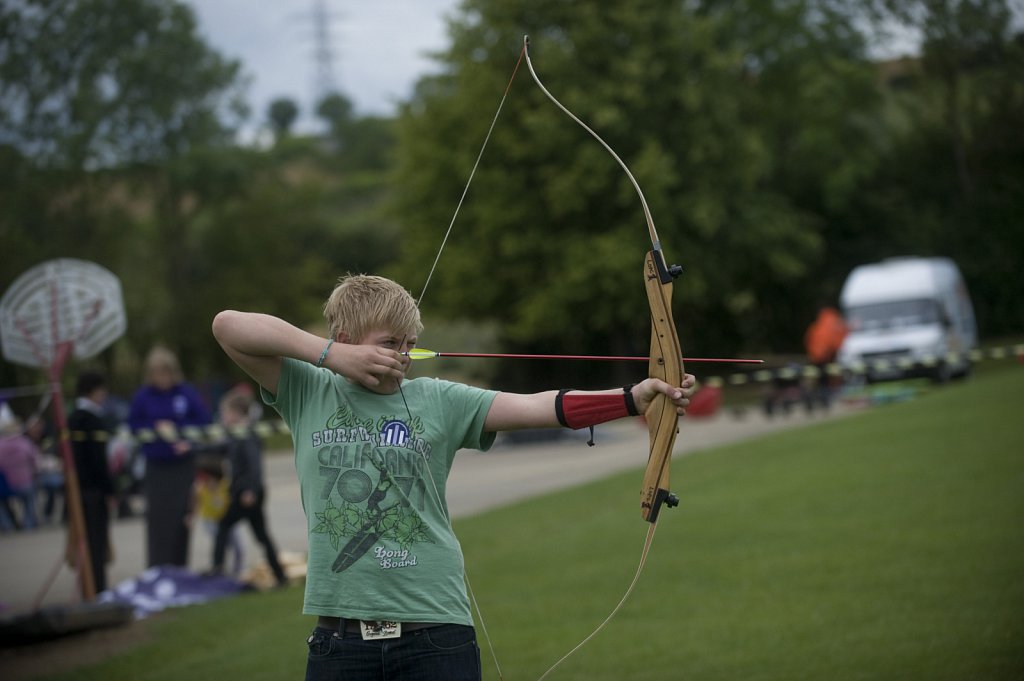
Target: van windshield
(893,315)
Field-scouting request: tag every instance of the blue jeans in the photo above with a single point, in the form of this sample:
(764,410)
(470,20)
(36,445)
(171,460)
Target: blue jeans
(447,652)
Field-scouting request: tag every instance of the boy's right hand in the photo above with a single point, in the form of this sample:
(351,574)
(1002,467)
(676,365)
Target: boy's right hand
(375,368)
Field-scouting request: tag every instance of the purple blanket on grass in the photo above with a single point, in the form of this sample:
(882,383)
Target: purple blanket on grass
(167,586)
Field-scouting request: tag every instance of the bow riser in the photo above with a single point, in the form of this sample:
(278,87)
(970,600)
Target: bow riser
(665,364)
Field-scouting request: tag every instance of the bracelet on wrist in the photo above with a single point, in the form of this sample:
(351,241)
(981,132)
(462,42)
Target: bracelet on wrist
(323,355)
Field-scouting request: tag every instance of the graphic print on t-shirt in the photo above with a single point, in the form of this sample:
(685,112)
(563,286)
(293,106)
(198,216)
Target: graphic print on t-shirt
(374,485)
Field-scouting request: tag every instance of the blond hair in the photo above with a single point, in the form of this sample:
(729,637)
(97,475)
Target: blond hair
(162,358)
(362,303)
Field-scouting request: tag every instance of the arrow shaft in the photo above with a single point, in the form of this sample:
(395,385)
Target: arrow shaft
(599,358)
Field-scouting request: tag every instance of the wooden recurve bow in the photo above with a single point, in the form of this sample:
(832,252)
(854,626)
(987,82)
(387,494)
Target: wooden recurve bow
(666,354)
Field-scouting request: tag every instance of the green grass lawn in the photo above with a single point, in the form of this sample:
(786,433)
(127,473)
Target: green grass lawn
(886,545)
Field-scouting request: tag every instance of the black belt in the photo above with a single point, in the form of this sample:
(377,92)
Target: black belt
(347,626)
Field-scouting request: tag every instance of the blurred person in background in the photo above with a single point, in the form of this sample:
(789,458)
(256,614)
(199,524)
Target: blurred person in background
(123,455)
(247,494)
(19,462)
(50,476)
(89,436)
(822,341)
(211,503)
(166,404)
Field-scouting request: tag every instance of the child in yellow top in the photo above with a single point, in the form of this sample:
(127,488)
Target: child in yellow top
(211,502)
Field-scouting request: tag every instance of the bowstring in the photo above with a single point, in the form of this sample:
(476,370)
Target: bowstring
(444,242)
(472,174)
(443,508)
(632,585)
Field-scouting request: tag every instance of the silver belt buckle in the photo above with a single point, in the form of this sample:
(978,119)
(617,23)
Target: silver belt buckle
(376,631)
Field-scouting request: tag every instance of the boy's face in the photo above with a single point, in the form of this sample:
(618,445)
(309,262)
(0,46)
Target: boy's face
(390,340)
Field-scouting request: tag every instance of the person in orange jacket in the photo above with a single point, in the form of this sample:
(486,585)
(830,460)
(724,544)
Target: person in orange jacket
(822,341)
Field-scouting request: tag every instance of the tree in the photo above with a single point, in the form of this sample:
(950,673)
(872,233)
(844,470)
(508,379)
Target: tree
(336,110)
(89,83)
(366,143)
(551,235)
(369,144)
(814,94)
(196,227)
(952,181)
(282,113)
(101,98)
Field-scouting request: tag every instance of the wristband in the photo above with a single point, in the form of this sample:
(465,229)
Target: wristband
(323,355)
(581,411)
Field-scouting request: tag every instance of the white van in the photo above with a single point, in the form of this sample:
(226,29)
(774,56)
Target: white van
(908,317)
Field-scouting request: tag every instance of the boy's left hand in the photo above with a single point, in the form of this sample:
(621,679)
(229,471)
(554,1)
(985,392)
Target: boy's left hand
(645,392)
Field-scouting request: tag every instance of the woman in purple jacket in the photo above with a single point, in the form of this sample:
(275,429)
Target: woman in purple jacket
(166,404)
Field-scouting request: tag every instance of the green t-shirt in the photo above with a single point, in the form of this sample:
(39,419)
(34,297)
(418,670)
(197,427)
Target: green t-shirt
(373,482)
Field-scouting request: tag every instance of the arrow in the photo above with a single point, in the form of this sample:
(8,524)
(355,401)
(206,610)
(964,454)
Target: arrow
(423,353)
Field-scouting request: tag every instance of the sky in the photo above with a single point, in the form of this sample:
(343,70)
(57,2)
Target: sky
(379,48)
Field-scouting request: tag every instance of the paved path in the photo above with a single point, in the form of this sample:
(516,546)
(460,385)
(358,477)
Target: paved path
(29,560)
